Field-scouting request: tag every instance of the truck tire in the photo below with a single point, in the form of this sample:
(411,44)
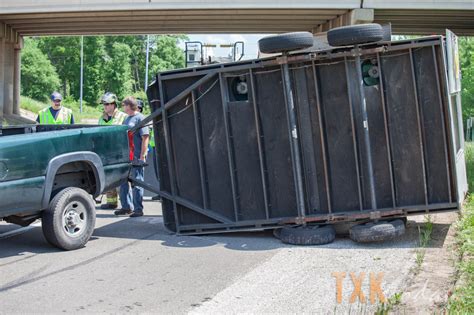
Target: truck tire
(355,34)
(285,42)
(69,221)
(306,235)
(377,232)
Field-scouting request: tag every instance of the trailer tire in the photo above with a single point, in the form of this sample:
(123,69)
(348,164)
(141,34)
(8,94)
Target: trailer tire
(285,42)
(69,221)
(377,232)
(355,34)
(306,235)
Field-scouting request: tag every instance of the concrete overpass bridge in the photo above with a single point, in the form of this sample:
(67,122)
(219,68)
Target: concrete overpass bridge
(20,18)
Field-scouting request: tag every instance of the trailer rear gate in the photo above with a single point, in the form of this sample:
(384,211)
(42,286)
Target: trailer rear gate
(225,160)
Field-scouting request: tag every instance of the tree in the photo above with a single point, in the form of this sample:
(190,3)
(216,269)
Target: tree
(64,53)
(165,53)
(137,46)
(118,71)
(111,63)
(95,58)
(466,56)
(38,75)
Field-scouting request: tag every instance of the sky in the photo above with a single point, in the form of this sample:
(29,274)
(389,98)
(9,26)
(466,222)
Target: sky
(250,41)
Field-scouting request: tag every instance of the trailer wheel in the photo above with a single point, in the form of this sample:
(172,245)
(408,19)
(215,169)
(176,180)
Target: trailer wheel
(69,221)
(285,42)
(377,232)
(306,235)
(355,34)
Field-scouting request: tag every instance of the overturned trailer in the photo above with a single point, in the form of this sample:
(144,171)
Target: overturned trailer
(354,133)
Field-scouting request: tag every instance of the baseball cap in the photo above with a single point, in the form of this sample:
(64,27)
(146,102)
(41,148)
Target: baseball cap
(56,96)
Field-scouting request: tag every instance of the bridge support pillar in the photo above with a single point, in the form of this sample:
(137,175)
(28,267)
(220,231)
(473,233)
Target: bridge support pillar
(355,16)
(17,74)
(2,69)
(10,63)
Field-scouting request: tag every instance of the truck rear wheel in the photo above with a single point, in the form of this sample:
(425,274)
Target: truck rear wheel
(69,221)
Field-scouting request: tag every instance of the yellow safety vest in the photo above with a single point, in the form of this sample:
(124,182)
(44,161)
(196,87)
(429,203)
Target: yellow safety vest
(62,117)
(152,138)
(117,118)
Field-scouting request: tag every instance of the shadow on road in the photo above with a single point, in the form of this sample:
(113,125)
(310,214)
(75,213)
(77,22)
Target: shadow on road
(25,245)
(133,228)
(151,228)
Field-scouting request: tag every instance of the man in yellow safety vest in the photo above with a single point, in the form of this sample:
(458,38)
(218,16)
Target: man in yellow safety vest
(111,116)
(56,114)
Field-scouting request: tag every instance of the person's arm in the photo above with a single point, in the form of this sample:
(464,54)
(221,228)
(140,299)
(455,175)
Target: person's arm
(144,148)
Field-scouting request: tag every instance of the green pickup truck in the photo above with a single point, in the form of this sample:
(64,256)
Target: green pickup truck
(52,171)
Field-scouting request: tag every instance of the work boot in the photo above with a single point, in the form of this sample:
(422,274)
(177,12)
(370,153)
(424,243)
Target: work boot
(123,212)
(136,214)
(108,206)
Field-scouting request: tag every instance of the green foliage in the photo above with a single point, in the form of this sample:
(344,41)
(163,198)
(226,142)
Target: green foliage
(466,56)
(88,111)
(38,75)
(462,301)
(118,72)
(387,308)
(166,55)
(94,68)
(111,63)
(64,53)
(31,105)
(469,156)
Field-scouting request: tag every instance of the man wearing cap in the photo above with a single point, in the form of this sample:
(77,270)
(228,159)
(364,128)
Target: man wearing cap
(56,114)
(111,116)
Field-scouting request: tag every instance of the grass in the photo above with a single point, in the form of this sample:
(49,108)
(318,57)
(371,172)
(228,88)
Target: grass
(462,299)
(424,239)
(387,308)
(469,155)
(89,112)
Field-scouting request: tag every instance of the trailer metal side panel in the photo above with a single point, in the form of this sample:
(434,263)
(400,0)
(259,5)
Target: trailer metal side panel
(226,162)
(403,127)
(276,144)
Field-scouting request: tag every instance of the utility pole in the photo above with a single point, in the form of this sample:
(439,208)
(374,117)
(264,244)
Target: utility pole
(82,70)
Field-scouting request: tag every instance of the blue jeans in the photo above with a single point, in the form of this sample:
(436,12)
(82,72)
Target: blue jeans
(133,198)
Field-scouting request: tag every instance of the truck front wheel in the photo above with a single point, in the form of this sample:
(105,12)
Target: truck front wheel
(69,221)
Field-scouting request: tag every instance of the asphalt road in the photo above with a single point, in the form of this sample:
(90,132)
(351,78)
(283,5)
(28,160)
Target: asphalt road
(135,265)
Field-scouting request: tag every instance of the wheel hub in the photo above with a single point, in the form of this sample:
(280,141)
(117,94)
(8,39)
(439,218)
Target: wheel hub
(74,219)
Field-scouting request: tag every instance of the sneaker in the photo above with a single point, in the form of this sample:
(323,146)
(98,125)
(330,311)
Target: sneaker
(136,214)
(123,212)
(156,198)
(108,206)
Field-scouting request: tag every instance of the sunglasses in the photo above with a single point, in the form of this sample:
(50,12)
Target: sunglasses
(57,101)
(105,104)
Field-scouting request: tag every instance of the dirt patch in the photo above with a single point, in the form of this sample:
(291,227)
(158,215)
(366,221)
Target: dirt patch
(428,289)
